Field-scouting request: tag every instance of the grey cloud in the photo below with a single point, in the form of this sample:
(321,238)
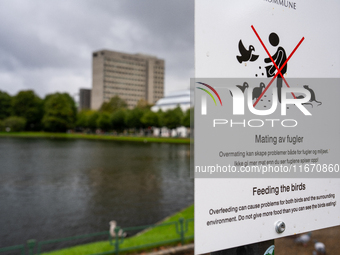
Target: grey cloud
(61,35)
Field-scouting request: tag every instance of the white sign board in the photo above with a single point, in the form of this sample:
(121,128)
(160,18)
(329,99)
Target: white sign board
(267,137)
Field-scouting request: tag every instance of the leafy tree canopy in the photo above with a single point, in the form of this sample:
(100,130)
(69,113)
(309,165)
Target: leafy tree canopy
(186,117)
(60,112)
(104,122)
(82,118)
(118,120)
(173,118)
(133,118)
(160,114)
(150,119)
(143,104)
(5,105)
(114,104)
(28,105)
(14,124)
(92,117)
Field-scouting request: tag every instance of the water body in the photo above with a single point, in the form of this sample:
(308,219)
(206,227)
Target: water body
(53,188)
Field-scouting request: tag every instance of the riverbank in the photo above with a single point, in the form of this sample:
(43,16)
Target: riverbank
(108,137)
(150,236)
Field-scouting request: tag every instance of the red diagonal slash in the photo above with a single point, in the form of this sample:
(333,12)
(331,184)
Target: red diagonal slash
(278,70)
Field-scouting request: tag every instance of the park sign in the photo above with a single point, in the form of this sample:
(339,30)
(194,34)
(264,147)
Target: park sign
(266,127)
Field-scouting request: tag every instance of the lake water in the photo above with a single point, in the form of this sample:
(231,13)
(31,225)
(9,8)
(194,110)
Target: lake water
(53,188)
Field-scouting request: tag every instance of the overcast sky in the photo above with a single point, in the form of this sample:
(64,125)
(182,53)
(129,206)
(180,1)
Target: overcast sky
(47,45)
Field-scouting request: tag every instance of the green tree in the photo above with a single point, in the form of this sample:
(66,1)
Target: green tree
(92,117)
(14,123)
(60,112)
(150,119)
(104,122)
(133,118)
(186,117)
(160,114)
(114,104)
(118,120)
(143,104)
(82,118)
(28,105)
(5,105)
(173,118)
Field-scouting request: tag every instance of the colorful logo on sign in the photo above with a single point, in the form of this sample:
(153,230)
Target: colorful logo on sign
(212,89)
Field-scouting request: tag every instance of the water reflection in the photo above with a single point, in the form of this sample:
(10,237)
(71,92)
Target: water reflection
(57,188)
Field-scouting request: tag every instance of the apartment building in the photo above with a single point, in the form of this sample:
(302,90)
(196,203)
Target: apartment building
(130,76)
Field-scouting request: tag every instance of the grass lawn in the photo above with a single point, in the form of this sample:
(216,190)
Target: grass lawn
(149,236)
(96,137)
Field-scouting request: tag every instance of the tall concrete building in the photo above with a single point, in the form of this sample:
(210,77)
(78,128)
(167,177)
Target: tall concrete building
(130,76)
(84,99)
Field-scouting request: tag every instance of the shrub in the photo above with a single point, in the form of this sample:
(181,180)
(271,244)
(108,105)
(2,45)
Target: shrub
(14,123)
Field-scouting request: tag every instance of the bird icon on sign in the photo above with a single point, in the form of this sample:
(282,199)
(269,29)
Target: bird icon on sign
(246,55)
(241,87)
(258,90)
